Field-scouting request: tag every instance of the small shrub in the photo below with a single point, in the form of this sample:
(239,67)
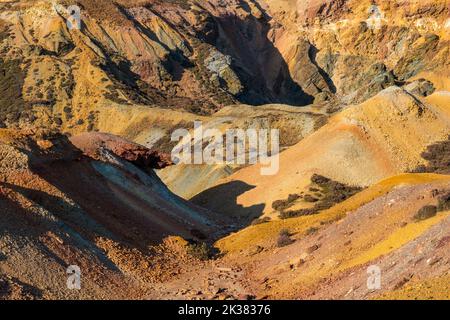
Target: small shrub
(320,180)
(425,213)
(279,205)
(311,230)
(287,214)
(327,194)
(285,232)
(199,251)
(284,241)
(293,197)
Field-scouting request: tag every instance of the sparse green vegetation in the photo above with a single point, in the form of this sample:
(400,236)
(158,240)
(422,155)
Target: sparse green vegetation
(68,84)
(281,205)
(297,213)
(310,198)
(165,144)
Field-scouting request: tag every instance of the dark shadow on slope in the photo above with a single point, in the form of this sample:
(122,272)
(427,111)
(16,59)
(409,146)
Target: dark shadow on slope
(313,57)
(48,202)
(96,196)
(223,200)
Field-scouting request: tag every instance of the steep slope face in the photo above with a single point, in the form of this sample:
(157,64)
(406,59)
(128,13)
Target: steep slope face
(329,253)
(120,169)
(359,146)
(107,216)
